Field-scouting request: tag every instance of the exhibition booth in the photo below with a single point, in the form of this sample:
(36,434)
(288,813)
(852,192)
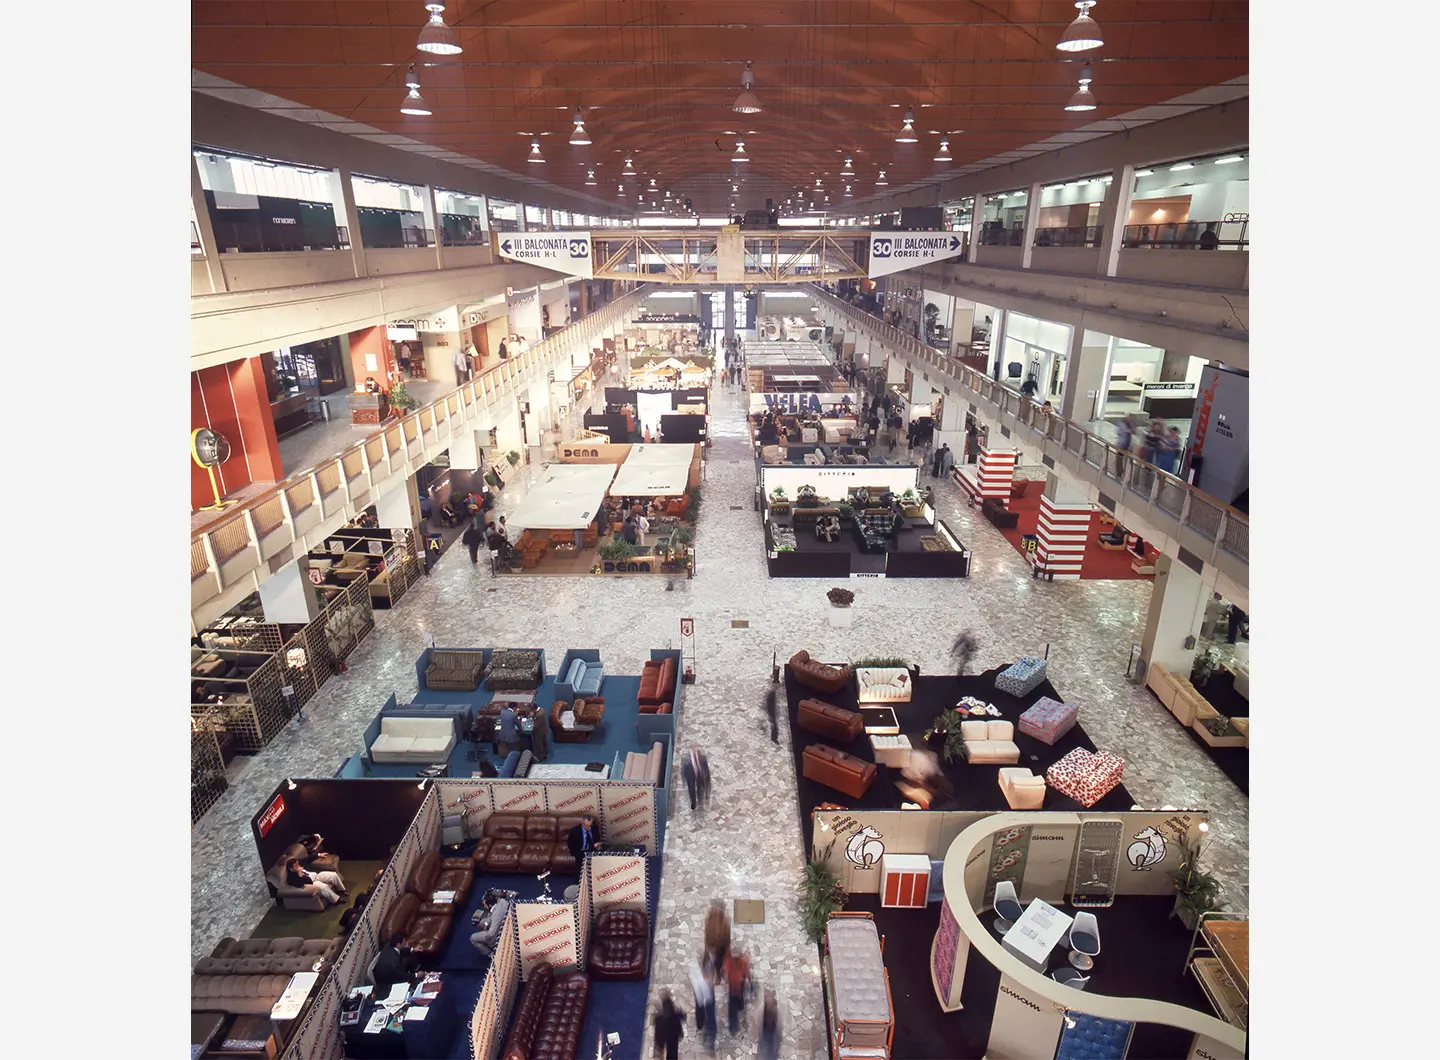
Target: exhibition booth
(667,415)
(657,370)
(386,559)
(558,520)
(854,520)
(569,962)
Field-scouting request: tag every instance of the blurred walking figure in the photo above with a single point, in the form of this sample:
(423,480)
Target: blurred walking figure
(1125,432)
(669,1028)
(702,983)
(1154,441)
(768,1034)
(717,934)
(737,982)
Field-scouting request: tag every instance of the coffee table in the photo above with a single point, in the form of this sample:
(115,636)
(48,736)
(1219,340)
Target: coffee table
(879,721)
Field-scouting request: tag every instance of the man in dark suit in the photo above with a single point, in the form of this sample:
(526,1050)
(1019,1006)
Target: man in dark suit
(391,966)
(582,838)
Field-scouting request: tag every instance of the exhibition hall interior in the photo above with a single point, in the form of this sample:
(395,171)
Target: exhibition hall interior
(719,529)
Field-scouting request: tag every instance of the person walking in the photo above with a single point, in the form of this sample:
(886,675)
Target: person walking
(717,934)
(669,1028)
(473,537)
(540,735)
(630,532)
(737,982)
(1154,441)
(690,773)
(462,367)
(1029,387)
(702,778)
(702,985)
(506,736)
(1167,449)
(1125,431)
(642,527)
(768,1034)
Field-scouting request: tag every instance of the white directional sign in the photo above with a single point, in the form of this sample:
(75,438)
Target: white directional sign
(567,252)
(895,251)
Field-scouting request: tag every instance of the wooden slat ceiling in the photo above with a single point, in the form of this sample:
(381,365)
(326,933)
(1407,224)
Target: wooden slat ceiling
(657,80)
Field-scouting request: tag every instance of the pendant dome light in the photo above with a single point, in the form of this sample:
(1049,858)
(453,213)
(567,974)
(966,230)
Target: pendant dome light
(412,103)
(535,155)
(579,137)
(1083,34)
(590,181)
(436,37)
(621,191)
(1083,99)
(880,181)
(848,170)
(629,166)
(746,102)
(740,155)
(943,155)
(907,132)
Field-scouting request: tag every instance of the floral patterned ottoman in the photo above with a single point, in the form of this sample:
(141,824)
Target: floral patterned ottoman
(1023,677)
(1048,720)
(1086,776)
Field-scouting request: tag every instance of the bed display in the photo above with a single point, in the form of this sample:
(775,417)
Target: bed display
(858,987)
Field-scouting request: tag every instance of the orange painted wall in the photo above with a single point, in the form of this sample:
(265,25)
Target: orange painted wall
(372,341)
(231,399)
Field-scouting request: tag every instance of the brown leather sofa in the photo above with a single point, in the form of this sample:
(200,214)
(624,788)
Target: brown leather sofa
(425,933)
(830,721)
(657,682)
(837,769)
(818,675)
(657,708)
(620,945)
(588,712)
(525,842)
(246,978)
(531,548)
(549,1016)
(433,873)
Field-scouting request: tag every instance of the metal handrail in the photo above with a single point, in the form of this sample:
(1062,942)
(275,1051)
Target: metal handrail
(1227,526)
(330,472)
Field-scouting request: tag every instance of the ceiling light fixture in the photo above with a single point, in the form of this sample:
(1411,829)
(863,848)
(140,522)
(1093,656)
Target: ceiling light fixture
(1143,172)
(1082,99)
(590,178)
(1228,159)
(1083,34)
(880,181)
(580,138)
(848,170)
(436,37)
(740,155)
(847,191)
(412,103)
(943,155)
(746,102)
(629,165)
(817,182)
(907,132)
(535,155)
(1181,165)
(652,182)
(621,191)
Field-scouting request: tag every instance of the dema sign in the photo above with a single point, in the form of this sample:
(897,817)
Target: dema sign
(897,251)
(567,252)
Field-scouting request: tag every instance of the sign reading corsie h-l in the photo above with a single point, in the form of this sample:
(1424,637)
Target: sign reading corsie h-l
(897,251)
(567,252)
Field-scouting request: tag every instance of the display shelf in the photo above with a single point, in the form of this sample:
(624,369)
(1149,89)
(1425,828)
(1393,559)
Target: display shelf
(1225,998)
(1220,958)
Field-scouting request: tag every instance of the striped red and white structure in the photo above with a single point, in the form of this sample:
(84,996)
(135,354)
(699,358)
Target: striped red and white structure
(991,476)
(1064,531)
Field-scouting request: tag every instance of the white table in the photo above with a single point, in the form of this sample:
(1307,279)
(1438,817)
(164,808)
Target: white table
(284,1011)
(1036,933)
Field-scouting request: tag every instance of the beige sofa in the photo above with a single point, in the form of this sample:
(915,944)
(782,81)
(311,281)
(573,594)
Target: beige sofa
(645,766)
(1022,789)
(1179,696)
(247,977)
(989,743)
(883,684)
(419,740)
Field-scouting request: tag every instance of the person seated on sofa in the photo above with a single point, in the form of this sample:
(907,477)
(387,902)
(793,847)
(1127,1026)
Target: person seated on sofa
(393,964)
(331,886)
(582,838)
(496,909)
(1116,536)
(314,844)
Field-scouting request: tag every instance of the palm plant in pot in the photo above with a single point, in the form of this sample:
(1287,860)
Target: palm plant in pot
(1196,891)
(947,732)
(401,399)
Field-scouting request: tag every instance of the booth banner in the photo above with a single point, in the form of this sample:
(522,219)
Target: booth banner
(796,402)
(617,881)
(628,814)
(585,906)
(1203,1048)
(427,821)
(469,798)
(1151,847)
(1007,860)
(572,799)
(547,933)
(484,1021)
(406,855)
(834,482)
(360,949)
(942,954)
(1024,1025)
(585,452)
(518,796)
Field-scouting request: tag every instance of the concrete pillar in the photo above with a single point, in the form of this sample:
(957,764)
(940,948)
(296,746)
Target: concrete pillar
(1084,374)
(213,268)
(977,220)
(894,370)
(962,322)
(432,222)
(1177,607)
(920,390)
(1114,211)
(540,415)
(399,509)
(342,193)
(465,448)
(997,341)
(1032,218)
(288,596)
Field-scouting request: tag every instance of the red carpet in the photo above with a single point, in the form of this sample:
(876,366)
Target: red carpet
(1099,563)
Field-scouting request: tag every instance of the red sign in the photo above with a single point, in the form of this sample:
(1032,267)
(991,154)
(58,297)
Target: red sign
(271,815)
(687,627)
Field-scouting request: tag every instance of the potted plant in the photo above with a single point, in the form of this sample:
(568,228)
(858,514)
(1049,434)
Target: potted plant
(847,514)
(1203,669)
(513,457)
(779,505)
(821,894)
(947,731)
(401,399)
(1196,891)
(840,613)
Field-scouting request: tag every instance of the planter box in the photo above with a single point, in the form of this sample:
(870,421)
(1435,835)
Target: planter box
(841,617)
(1236,739)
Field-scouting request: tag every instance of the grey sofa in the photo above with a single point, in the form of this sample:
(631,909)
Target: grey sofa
(247,977)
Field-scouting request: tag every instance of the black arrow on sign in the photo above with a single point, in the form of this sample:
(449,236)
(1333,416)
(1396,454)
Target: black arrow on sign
(505,248)
(954,243)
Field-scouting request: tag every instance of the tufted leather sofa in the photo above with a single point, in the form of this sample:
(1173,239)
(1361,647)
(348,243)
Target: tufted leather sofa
(425,933)
(620,945)
(588,713)
(433,873)
(818,675)
(828,720)
(525,842)
(841,771)
(247,977)
(549,1016)
(657,682)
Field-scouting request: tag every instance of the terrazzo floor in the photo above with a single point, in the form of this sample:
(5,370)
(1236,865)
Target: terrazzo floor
(747,844)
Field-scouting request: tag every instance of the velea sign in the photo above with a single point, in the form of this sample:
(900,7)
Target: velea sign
(897,251)
(567,252)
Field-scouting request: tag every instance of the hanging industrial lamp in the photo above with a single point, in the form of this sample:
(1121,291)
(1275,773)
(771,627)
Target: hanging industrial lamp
(943,155)
(535,155)
(1083,99)
(740,155)
(436,37)
(579,137)
(1083,34)
(412,103)
(747,102)
(907,132)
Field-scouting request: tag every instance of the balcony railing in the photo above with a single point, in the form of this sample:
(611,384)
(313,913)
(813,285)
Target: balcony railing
(464,239)
(394,238)
(1189,235)
(1070,236)
(1227,527)
(250,238)
(1002,237)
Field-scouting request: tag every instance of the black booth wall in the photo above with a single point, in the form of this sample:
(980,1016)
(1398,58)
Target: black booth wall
(360,819)
(687,428)
(613,426)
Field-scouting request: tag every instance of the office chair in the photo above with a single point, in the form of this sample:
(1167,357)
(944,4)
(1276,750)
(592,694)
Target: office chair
(1007,905)
(1084,941)
(1067,976)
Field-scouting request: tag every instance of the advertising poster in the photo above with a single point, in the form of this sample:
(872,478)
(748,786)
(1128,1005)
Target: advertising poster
(629,814)
(472,800)
(518,797)
(573,799)
(947,939)
(547,933)
(617,880)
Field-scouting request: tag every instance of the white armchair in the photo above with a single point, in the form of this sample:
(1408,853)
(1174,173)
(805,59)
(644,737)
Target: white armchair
(989,743)
(1022,789)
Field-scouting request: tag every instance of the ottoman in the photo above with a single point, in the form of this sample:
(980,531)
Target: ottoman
(1048,720)
(1023,677)
(1086,776)
(891,750)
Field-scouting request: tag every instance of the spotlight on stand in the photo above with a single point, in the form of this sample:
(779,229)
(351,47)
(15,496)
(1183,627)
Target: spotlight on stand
(290,784)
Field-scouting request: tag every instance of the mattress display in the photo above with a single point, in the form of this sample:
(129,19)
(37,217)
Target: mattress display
(857,984)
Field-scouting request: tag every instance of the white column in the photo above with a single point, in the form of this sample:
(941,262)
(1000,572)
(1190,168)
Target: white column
(1177,608)
(997,339)
(1032,218)
(288,596)
(432,222)
(342,191)
(1083,368)
(213,266)
(1114,211)
(399,509)
(977,219)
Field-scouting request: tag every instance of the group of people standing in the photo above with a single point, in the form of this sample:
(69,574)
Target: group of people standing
(1157,445)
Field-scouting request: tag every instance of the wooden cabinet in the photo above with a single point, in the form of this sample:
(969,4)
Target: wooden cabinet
(904,880)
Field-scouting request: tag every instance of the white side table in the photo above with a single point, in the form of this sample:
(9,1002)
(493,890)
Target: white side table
(891,750)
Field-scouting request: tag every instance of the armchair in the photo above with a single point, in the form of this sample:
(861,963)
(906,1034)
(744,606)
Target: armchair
(817,675)
(588,713)
(1022,789)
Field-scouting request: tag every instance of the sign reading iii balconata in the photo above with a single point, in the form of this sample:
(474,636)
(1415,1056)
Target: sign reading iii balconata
(567,252)
(897,251)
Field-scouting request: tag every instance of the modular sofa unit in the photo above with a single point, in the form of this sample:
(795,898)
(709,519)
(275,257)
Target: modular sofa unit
(434,874)
(1086,776)
(549,1016)
(425,933)
(1048,720)
(455,669)
(1022,677)
(1023,790)
(820,676)
(515,669)
(580,675)
(883,684)
(525,842)
(657,683)
(1180,697)
(989,743)
(417,740)
(246,978)
(620,945)
(648,766)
